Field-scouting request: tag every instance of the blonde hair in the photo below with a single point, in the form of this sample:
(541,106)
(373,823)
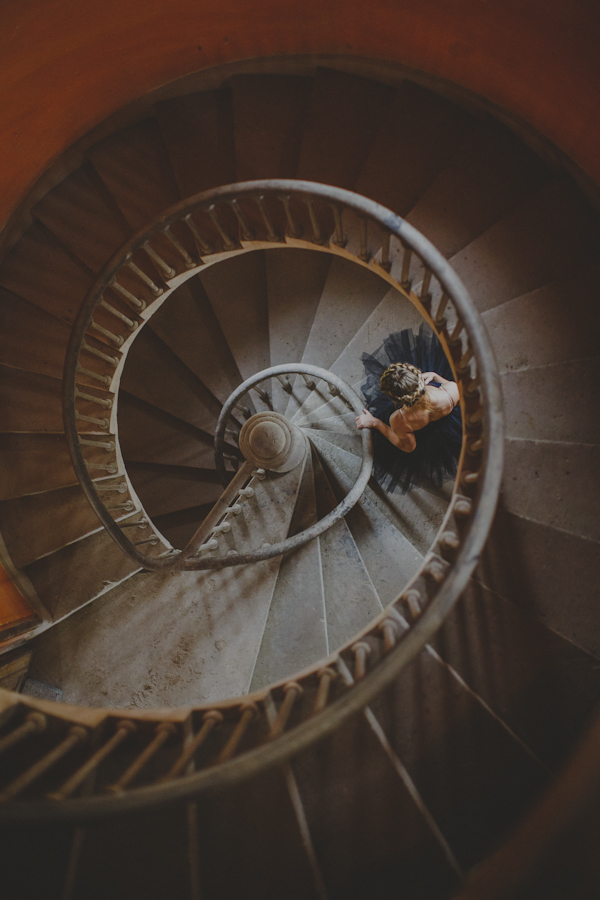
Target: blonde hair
(403,383)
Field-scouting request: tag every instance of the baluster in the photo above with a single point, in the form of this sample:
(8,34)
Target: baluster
(469,478)
(246,493)
(412,598)
(213,544)
(388,630)
(75,735)
(111,360)
(454,338)
(209,720)
(363,237)
(260,474)
(247,233)
(111,468)
(118,315)
(163,732)
(475,447)
(263,395)
(317,236)
(223,528)
(310,384)
(340,240)
(326,676)
(127,295)
(285,384)
(153,541)
(205,246)
(292,691)
(294,230)
(405,279)
(34,721)
(101,401)
(449,544)
(424,294)
(102,423)
(126,507)
(124,729)
(155,288)
(227,241)
(271,233)
(103,379)
(463,364)
(361,650)
(119,487)
(248,713)
(104,445)
(463,507)
(143,523)
(165,268)
(436,570)
(440,319)
(385,252)
(115,338)
(189,262)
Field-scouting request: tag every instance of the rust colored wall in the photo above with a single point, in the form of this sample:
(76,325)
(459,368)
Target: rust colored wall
(67,64)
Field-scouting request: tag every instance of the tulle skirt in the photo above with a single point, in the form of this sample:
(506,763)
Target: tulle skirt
(439,443)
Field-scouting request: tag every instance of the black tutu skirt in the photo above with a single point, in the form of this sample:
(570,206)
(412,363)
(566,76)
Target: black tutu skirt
(439,443)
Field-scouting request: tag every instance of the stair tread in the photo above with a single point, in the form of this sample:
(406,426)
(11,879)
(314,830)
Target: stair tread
(169,492)
(237,291)
(30,402)
(343,116)
(551,235)
(204,640)
(147,437)
(542,686)
(553,403)
(295,632)
(269,112)
(33,462)
(198,132)
(135,167)
(417,139)
(564,316)
(389,557)
(556,579)
(487,177)
(564,491)
(77,214)
(351,600)
(41,271)
(31,338)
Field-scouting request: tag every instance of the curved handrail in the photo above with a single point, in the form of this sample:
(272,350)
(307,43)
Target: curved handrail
(244,738)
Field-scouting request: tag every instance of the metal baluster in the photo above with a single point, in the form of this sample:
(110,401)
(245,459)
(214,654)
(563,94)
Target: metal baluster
(469,478)
(405,279)
(363,236)
(388,630)
(143,523)
(227,241)
(205,246)
(104,445)
(385,252)
(326,676)
(209,720)
(294,229)
(111,468)
(126,507)
(213,544)
(33,722)
(436,570)
(155,288)
(310,384)
(189,262)
(463,507)
(115,338)
(102,423)
(271,233)
(75,735)
(317,236)
(246,492)
(153,541)
(127,295)
(118,315)
(103,379)
(263,395)
(223,528)
(119,487)
(101,401)
(165,268)
(285,384)
(248,713)
(412,598)
(164,730)
(124,729)
(339,240)
(361,650)
(111,360)
(247,233)
(440,319)
(292,691)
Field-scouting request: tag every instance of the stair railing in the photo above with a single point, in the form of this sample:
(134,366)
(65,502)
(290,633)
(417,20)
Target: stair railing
(233,740)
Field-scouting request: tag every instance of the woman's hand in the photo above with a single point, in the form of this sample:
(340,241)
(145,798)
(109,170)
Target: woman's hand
(366,420)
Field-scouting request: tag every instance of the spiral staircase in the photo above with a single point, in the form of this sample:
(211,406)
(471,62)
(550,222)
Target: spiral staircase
(450,753)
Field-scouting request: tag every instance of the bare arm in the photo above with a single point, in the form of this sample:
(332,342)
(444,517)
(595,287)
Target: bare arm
(403,440)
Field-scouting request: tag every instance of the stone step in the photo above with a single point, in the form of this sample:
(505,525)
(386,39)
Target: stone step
(30,463)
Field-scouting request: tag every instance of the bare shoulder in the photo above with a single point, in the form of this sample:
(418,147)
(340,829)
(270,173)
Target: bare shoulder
(399,424)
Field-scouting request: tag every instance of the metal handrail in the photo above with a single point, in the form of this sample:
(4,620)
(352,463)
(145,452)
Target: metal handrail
(343,223)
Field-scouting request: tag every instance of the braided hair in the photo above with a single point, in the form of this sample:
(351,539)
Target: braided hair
(403,383)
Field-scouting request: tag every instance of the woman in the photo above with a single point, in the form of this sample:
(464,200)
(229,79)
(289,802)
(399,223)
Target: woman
(414,413)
